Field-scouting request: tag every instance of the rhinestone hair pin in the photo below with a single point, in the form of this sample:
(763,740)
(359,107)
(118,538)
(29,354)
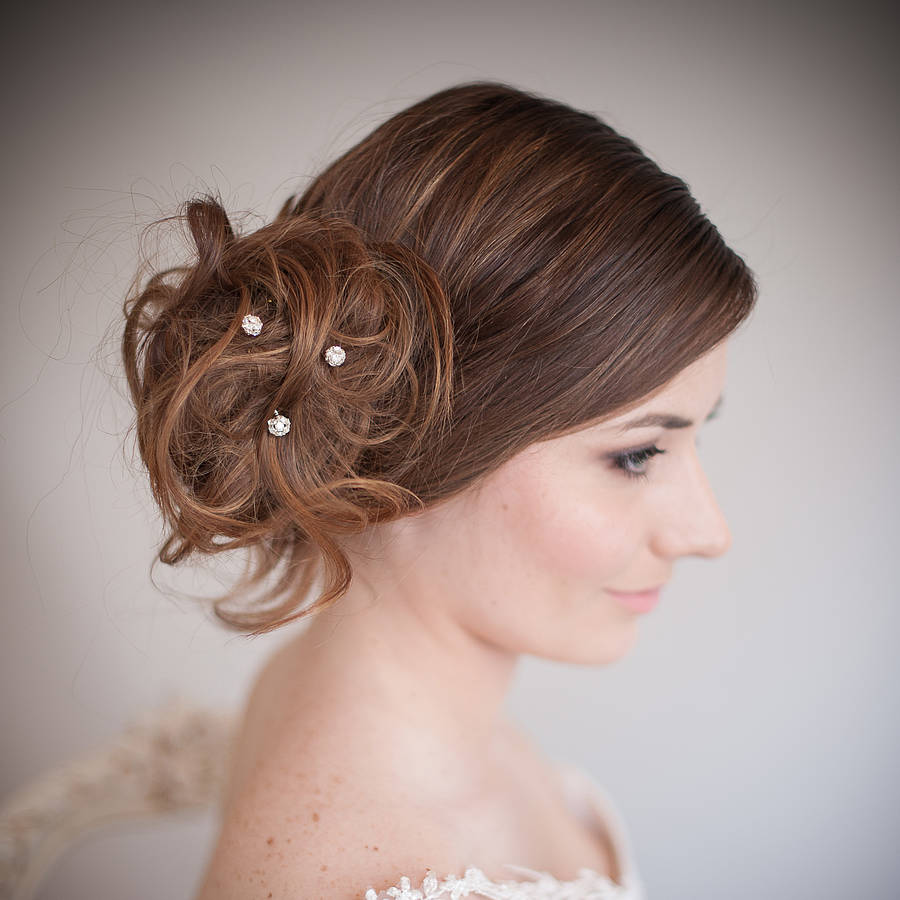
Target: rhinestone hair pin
(334,355)
(279,424)
(252,324)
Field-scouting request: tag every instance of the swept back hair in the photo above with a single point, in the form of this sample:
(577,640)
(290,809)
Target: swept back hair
(500,269)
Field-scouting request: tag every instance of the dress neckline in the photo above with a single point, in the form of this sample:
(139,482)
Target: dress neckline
(589,802)
(592,804)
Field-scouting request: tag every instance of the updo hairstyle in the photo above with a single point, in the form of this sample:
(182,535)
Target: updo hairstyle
(499,268)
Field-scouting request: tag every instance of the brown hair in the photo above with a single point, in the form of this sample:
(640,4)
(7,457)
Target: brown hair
(500,269)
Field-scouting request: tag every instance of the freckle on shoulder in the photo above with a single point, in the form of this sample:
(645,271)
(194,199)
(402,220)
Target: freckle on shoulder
(335,843)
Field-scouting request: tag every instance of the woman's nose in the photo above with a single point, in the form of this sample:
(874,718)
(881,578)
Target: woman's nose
(695,525)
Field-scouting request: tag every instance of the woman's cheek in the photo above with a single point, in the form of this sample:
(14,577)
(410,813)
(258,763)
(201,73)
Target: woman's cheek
(578,537)
(551,515)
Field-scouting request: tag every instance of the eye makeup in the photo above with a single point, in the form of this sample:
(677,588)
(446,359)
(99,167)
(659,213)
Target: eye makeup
(631,462)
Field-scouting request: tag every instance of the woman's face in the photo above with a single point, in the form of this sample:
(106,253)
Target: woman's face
(531,560)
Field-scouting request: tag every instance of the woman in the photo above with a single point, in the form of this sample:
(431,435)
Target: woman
(460,378)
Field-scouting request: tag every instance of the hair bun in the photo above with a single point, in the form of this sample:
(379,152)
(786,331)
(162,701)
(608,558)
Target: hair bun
(507,243)
(204,389)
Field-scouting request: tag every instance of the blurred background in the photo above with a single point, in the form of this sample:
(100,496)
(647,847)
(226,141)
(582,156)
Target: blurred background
(751,737)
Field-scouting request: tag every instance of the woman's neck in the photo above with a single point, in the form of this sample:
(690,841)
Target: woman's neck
(428,678)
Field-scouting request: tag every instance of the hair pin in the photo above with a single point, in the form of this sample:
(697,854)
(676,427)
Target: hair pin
(252,324)
(335,355)
(279,424)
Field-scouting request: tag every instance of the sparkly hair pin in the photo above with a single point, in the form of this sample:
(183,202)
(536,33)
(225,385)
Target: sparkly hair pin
(279,424)
(334,355)
(252,324)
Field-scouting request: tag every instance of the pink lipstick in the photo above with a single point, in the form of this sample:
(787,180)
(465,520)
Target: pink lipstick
(641,601)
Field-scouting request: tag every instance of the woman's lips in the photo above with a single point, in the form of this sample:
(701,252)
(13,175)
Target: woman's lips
(642,601)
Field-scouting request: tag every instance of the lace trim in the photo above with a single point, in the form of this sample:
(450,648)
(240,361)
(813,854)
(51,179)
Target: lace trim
(589,885)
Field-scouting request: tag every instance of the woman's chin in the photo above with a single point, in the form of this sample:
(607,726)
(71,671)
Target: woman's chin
(601,650)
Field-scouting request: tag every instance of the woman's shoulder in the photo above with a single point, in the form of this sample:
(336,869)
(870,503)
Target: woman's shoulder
(313,809)
(329,805)
(305,828)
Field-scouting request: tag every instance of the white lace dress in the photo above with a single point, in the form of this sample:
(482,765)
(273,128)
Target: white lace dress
(593,805)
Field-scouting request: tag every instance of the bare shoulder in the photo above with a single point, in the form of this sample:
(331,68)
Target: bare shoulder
(315,833)
(311,814)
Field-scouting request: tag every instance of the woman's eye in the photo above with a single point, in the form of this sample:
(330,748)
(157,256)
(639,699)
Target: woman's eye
(633,462)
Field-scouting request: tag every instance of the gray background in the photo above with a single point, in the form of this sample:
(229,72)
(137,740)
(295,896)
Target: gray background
(751,736)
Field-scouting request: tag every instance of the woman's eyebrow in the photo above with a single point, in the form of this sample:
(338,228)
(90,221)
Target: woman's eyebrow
(668,420)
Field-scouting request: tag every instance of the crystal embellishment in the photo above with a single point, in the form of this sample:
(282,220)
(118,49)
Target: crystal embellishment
(252,324)
(335,355)
(279,424)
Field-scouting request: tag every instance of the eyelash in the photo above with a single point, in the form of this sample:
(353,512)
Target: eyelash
(622,461)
